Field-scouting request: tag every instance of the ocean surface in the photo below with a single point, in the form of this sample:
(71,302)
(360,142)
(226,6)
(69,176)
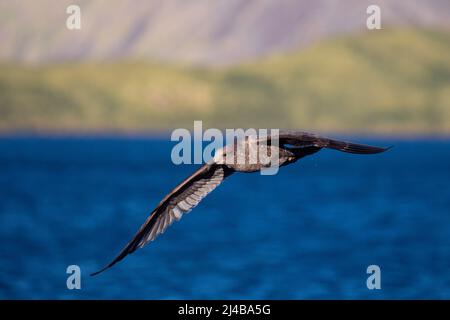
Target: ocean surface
(310,231)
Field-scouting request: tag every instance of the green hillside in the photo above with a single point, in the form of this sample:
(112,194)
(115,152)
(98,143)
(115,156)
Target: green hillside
(390,81)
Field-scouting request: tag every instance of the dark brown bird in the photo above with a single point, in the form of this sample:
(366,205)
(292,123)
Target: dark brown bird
(243,155)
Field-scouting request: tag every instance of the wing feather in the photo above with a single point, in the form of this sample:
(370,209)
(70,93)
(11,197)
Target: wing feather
(179,201)
(305,139)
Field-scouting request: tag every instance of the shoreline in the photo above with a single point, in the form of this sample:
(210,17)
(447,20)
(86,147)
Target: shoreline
(165,134)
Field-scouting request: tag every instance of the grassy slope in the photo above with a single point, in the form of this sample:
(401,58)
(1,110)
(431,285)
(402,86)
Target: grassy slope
(388,81)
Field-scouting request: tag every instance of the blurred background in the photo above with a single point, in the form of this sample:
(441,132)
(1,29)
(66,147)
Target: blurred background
(85,117)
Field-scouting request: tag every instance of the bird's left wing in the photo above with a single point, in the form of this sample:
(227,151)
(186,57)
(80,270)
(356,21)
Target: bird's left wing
(179,201)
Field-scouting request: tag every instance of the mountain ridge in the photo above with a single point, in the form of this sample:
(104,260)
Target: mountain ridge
(211,33)
(390,82)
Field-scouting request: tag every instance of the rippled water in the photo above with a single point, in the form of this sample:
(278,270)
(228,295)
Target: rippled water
(308,232)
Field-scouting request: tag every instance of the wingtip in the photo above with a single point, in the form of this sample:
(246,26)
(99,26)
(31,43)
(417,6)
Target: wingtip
(385,149)
(381,150)
(98,272)
(103,269)
(375,150)
(122,255)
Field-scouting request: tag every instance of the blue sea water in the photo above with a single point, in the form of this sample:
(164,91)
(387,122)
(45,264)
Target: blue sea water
(310,231)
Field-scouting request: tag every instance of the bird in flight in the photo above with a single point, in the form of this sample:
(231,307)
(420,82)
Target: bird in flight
(286,146)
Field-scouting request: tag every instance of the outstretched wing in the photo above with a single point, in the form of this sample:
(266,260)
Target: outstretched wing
(179,201)
(305,139)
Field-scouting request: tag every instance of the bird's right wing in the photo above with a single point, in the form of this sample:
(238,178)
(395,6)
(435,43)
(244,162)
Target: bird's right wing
(305,139)
(179,201)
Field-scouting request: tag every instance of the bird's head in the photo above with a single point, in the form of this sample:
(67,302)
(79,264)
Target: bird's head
(219,156)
